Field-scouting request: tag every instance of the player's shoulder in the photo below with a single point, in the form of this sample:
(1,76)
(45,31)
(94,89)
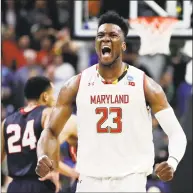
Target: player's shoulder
(47,111)
(90,69)
(134,69)
(136,73)
(45,115)
(87,73)
(12,116)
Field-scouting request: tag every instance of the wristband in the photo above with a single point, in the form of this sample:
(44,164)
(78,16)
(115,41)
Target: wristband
(172,162)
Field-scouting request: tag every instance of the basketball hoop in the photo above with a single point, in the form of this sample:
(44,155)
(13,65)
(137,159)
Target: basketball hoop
(155,33)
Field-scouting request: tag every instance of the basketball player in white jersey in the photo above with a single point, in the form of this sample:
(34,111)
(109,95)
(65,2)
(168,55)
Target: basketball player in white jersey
(115,143)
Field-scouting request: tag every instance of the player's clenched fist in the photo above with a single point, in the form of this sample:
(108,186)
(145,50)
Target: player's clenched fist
(164,171)
(44,166)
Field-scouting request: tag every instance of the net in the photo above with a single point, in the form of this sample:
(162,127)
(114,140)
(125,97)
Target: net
(155,33)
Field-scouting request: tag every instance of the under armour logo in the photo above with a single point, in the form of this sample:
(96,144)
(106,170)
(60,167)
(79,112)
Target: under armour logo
(91,84)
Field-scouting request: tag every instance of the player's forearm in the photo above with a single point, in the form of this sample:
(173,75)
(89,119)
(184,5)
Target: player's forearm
(177,138)
(47,144)
(67,171)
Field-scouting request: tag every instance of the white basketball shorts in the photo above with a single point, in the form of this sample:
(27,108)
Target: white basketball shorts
(131,183)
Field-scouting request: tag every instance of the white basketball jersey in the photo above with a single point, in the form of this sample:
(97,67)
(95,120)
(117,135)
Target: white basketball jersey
(114,126)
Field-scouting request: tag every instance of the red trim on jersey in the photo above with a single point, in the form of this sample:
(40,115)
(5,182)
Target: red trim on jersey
(144,87)
(79,75)
(107,82)
(23,112)
(97,70)
(73,151)
(97,67)
(144,82)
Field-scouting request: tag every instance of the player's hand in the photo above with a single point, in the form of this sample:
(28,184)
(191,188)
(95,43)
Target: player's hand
(44,166)
(164,171)
(54,177)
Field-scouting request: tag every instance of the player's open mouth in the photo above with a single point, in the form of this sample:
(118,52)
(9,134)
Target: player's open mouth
(106,51)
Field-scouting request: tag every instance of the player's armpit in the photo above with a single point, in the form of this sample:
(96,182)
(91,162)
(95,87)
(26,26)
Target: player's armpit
(155,95)
(3,153)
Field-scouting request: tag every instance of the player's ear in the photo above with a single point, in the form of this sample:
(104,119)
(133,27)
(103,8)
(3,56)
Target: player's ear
(44,96)
(124,47)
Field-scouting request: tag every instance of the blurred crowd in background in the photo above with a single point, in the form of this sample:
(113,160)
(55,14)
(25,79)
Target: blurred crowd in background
(36,41)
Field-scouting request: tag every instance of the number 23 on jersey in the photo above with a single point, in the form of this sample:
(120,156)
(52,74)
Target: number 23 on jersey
(105,115)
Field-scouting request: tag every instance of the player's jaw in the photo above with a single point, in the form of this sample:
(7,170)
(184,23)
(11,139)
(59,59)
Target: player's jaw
(49,99)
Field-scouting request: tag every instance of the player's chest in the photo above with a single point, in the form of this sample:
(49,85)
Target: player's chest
(122,94)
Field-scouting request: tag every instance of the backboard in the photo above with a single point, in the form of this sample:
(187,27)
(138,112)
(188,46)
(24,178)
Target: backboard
(84,15)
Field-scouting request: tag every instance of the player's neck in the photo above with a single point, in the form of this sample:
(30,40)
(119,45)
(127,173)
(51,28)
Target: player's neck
(31,105)
(112,72)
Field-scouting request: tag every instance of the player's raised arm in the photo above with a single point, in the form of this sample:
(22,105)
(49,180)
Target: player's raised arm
(48,143)
(169,123)
(2,142)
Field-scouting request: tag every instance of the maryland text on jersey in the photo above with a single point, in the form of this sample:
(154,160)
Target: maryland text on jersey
(109,99)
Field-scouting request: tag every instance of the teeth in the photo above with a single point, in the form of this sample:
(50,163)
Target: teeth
(106,47)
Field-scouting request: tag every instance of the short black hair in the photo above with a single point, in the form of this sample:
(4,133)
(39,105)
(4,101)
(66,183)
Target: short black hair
(35,86)
(114,18)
